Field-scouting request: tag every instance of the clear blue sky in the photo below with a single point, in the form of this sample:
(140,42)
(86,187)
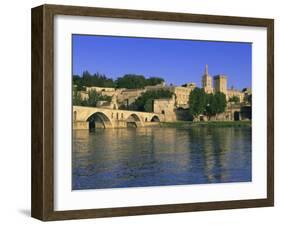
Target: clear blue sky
(177,61)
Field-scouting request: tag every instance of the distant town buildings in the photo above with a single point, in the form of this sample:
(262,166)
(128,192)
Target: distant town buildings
(123,98)
(220,85)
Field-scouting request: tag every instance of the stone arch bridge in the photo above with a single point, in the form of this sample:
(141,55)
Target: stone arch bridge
(92,117)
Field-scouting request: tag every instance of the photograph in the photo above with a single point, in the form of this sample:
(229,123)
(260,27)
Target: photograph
(138,112)
(160,112)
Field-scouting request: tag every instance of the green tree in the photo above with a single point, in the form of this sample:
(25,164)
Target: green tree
(234,99)
(152,81)
(197,102)
(148,106)
(211,105)
(131,81)
(220,101)
(76,98)
(94,97)
(88,79)
(215,104)
(77,83)
(144,102)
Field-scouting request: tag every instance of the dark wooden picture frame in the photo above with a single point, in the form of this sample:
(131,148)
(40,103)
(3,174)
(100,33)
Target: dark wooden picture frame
(43,107)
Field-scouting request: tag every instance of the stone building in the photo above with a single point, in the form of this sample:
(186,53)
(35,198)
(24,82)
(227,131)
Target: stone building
(123,98)
(190,85)
(165,107)
(83,94)
(235,93)
(181,95)
(220,84)
(247,95)
(207,81)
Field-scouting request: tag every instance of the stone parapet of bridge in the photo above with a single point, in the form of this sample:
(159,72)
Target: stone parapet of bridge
(87,117)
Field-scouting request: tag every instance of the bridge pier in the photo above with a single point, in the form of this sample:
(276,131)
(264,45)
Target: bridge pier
(77,125)
(119,124)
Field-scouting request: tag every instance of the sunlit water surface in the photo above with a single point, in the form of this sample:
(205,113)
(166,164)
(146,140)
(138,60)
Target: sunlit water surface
(115,158)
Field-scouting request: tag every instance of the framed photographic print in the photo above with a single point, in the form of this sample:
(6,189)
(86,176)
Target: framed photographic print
(141,112)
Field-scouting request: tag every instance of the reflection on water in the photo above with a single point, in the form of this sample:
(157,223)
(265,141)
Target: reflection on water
(114,158)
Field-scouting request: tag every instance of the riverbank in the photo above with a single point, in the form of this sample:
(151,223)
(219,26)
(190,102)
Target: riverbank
(186,124)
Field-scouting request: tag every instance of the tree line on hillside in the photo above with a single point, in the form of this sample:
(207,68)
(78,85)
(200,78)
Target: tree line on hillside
(206,104)
(142,103)
(199,101)
(129,81)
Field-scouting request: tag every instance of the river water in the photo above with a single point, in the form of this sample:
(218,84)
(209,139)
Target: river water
(137,157)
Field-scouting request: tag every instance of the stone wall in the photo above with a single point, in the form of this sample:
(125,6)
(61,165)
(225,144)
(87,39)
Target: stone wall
(84,95)
(99,89)
(182,95)
(128,96)
(166,107)
(237,93)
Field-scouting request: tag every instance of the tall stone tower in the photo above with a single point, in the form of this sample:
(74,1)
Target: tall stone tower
(207,82)
(221,84)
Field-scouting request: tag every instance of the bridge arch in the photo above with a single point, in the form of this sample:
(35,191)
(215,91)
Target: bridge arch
(99,120)
(155,118)
(74,115)
(133,120)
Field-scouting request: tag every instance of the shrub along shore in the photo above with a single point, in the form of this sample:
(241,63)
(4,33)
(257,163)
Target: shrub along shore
(186,124)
